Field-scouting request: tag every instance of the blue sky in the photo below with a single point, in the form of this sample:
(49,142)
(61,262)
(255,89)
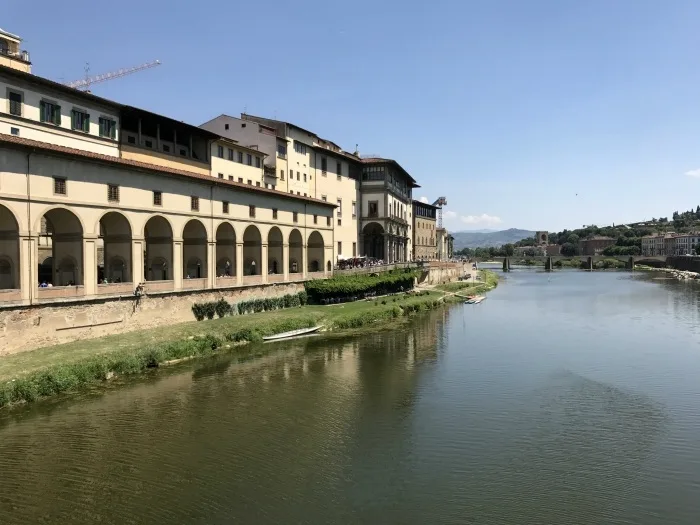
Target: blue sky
(538,114)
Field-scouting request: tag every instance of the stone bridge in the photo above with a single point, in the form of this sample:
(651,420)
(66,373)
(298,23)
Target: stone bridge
(549,260)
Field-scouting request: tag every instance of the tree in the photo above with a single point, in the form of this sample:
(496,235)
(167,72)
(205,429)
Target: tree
(573,239)
(568,249)
(508,250)
(530,252)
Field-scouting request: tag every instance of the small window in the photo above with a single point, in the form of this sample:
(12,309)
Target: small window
(149,143)
(340,247)
(251,211)
(225,126)
(324,165)
(108,129)
(15,103)
(166,148)
(240,179)
(224,207)
(59,185)
(340,222)
(340,207)
(295,216)
(230,177)
(354,209)
(240,157)
(281,174)
(328,221)
(257,162)
(183,152)
(249,159)
(324,198)
(354,249)
(291,191)
(221,175)
(220,152)
(131,139)
(304,194)
(250,182)
(79,121)
(304,177)
(315,219)
(257,184)
(230,151)
(339,169)
(50,112)
(112,193)
(299,193)
(274,213)
(157,198)
(298,175)
(194,204)
(14,131)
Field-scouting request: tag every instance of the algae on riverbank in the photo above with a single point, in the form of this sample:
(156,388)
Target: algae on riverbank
(30,375)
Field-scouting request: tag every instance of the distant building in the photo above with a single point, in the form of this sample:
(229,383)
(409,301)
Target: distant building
(553,249)
(595,245)
(424,235)
(660,244)
(685,243)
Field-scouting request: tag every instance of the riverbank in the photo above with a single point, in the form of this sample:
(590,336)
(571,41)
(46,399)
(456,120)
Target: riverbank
(681,275)
(44,372)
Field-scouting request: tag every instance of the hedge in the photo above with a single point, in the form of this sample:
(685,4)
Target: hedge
(353,287)
(222,308)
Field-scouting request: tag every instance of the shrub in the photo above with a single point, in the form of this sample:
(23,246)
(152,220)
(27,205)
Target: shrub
(351,287)
(223,308)
(383,301)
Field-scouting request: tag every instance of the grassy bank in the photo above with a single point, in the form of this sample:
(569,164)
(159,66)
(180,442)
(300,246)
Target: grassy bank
(28,376)
(487,281)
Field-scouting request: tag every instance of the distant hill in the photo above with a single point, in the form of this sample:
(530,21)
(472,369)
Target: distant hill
(480,239)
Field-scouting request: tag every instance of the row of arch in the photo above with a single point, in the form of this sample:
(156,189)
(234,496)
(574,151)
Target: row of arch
(62,241)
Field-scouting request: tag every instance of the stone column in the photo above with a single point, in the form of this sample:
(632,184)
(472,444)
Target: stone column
(285,262)
(239,263)
(177,269)
(211,264)
(28,266)
(590,264)
(304,257)
(90,265)
(263,263)
(137,262)
(387,248)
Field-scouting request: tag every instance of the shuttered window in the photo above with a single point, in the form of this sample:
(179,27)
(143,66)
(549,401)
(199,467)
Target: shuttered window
(50,112)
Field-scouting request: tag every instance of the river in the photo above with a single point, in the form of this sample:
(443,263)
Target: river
(565,398)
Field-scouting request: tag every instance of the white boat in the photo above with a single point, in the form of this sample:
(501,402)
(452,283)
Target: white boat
(292,333)
(475,300)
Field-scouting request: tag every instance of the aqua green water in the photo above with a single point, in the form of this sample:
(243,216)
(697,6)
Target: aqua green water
(570,398)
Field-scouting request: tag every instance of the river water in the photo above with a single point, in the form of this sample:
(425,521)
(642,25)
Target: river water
(565,398)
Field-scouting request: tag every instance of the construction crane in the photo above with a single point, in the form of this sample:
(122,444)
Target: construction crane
(85,83)
(442,201)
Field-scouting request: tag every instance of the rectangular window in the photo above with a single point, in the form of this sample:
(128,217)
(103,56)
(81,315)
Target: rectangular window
(50,112)
(315,219)
(220,152)
(131,139)
(324,165)
(339,169)
(354,209)
(59,185)
(324,198)
(374,208)
(14,131)
(257,162)
(304,177)
(240,179)
(249,159)
(340,207)
(274,213)
(15,103)
(108,128)
(281,174)
(340,222)
(230,154)
(295,216)
(79,121)
(112,193)
(250,182)
(251,211)
(340,248)
(224,207)
(230,177)
(257,184)
(354,249)
(300,148)
(328,221)
(157,198)
(240,157)
(298,175)
(194,203)
(282,151)
(221,175)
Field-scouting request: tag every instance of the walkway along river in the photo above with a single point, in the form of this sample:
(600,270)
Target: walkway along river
(567,398)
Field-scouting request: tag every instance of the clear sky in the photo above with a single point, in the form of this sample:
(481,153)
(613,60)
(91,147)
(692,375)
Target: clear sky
(537,114)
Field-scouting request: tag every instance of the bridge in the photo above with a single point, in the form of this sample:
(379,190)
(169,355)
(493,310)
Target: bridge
(590,260)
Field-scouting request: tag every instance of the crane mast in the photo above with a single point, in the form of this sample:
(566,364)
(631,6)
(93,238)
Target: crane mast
(85,83)
(440,202)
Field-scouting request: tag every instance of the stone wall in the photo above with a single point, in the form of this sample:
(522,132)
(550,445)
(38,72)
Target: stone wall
(443,272)
(688,264)
(26,328)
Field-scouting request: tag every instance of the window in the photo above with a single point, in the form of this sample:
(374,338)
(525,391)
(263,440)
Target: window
(240,157)
(149,143)
(131,139)
(315,219)
(221,175)
(225,126)
(339,169)
(112,193)
(304,194)
(274,213)
(224,207)
(50,112)
(281,174)
(354,209)
(249,159)
(374,208)
(257,162)
(14,131)
(250,182)
(59,185)
(340,247)
(324,165)
(79,121)
(340,207)
(230,153)
(15,103)
(299,193)
(257,184)
(108,129)
(324,198)
(282,151)
(354,249)
(298,175)
(230,177)
(157,198)
(194,204)
(300,148)
(295,216)
(328,221)
(240,179)
(183,152)
(166,148)
(220,152)
(340,222)
(251,211)
(304,177)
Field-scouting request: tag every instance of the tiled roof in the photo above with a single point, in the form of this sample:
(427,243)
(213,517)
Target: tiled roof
(28,143)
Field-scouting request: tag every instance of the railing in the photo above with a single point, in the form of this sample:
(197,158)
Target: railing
(17,55)
(252,279)
(270,171)
(115,288)
(275,278)
(194,284)
(58,292)
(298,276)
(226,282)
(159,286)
(10,295)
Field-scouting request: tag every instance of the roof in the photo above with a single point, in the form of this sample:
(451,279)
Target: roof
(380,160)
(201,131)
(34,144)
(426,204)
(8,34)
(254,118)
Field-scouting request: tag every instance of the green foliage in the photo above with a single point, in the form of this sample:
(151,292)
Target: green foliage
(353,287)
(569,249)
(508,250)
(622,250)
(222,308)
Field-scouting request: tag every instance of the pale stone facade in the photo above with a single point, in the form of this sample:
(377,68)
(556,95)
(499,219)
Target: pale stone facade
(424,234)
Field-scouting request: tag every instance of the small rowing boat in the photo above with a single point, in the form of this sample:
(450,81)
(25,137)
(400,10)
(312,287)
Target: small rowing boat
(292,333)
(475,300)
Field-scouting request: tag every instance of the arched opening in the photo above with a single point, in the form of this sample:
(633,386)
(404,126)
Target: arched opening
(194,246)
(374,240)
(296,252)
(114,249)
(274,251)
(9,250)
(252,251)
(329,266)
(225,250)
(314,250)
(63,235)
(159,250)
